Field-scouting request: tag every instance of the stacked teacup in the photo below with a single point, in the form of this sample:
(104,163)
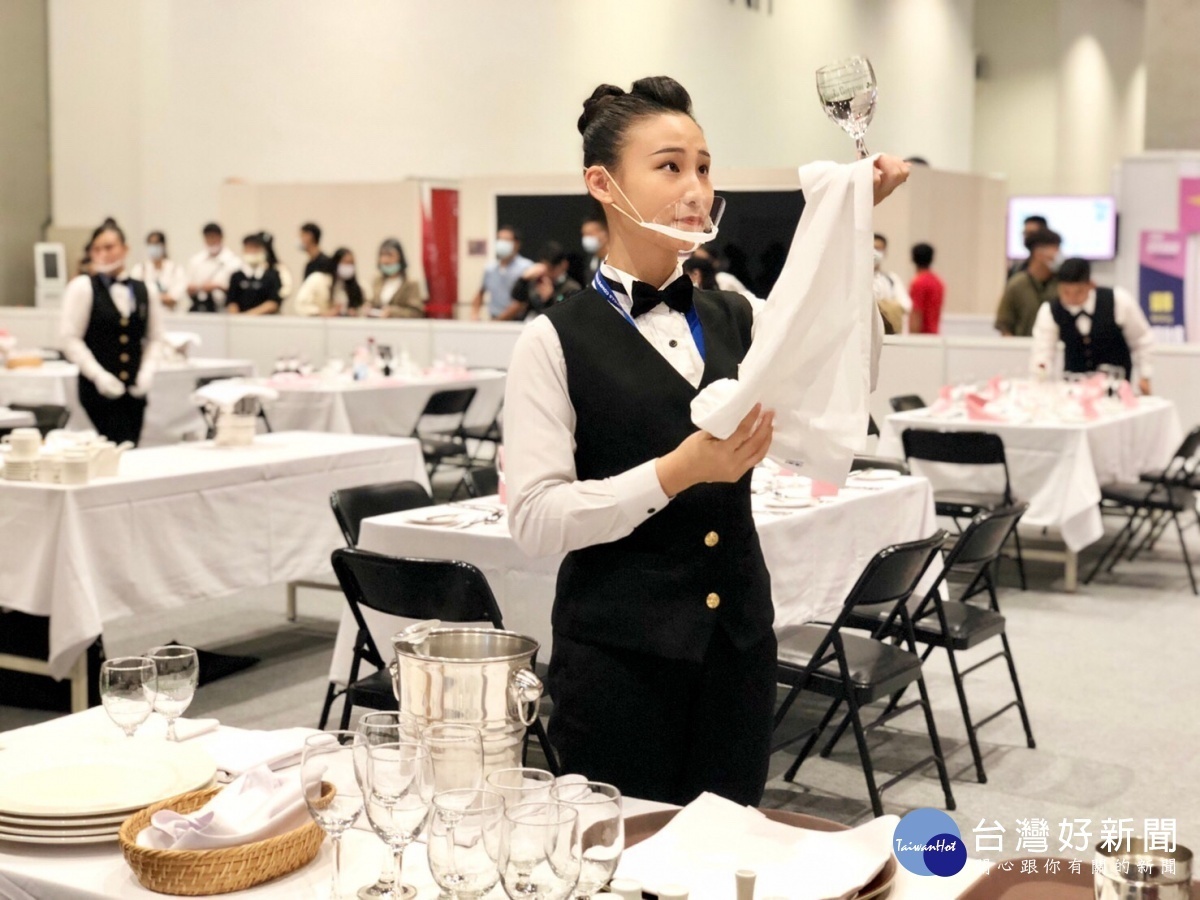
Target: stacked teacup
(20,462)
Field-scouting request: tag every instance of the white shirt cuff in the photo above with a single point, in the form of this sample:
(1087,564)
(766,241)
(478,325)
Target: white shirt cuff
(638,493)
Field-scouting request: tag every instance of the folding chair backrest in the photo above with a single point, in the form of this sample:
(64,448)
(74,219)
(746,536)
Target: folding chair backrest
(906,403)
(416,588)
(981,541)
(879,462)
(486,481)
(1184,463)
(968,448)
(352,505)
(47,417)
(892,574)
(449,403)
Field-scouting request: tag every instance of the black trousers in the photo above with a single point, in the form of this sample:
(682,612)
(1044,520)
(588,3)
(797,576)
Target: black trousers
(662,729)
(118,419)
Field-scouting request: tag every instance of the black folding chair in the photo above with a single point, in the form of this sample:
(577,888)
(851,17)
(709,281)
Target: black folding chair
(478,482)
(965,448)
(450,591)
(1180,470)
(858,670)
(47,417)
(958,626)
(1153,505)
(491,433)
(350,506)
(879,462)
(445,445)
(906,403)
(210,423)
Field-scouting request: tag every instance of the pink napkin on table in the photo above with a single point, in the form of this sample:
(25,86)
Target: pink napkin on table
(1125,392)
(823,488)
(1098,381)
(1088,405)
(976,411)
(944,401)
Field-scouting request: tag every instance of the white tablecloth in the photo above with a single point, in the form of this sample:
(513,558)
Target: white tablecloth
(814,555)
(170,413)
(376,406)
(11,418)
(1056,468)
(95,871)
(180,524)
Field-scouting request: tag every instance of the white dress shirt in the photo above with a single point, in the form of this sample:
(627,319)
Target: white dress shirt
(1130,319)
(204,267)
(169,278)
(550,511)
(77,312)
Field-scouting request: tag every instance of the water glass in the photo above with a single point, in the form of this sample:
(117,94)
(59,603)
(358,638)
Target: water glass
(464,842)
(178,670)
(127,685)
(397,784)
(539,851)
(380,728)
(328,758)
(601,829)
(456,754)
(847,91)
(521,785)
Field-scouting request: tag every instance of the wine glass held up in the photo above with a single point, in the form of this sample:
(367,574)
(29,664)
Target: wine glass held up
(847,91)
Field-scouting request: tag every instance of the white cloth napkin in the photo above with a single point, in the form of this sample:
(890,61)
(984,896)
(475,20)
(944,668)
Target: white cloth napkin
(813,352)
(258,805)
(238,750)
(711,838)
(226,392)
(179,341)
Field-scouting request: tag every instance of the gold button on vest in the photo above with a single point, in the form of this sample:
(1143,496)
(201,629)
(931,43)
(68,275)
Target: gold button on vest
(124,357)
(124,339)
(713,601)
(124,376)
(711,539)
(124,322)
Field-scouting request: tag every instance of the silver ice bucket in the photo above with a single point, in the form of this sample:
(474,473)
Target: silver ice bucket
(474,676)
(1137,873)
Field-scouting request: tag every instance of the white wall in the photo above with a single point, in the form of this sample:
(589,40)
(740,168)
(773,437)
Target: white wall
(188,94)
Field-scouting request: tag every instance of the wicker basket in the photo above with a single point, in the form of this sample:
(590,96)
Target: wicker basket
(197,872)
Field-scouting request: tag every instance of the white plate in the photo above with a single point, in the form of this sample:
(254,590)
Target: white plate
(876,475)
(791,503)
(13,830)
(8,822)
(99,779)
(73,839)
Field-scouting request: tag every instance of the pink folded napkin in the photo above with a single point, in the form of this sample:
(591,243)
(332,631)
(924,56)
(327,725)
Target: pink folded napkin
(976,411)
(1088,405)
(1128,399)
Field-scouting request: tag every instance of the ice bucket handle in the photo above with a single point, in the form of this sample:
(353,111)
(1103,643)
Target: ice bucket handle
(417,633)
(524,692)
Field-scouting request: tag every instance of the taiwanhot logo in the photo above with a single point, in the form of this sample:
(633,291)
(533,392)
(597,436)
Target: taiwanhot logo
(928,842)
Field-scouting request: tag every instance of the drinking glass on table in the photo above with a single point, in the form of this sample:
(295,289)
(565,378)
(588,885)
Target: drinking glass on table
(380,728)
(328,758)
(464,842)
(127,685)
(455,754)
(521,785)
(397,784)
(539,851)
(178,670)
(601,829)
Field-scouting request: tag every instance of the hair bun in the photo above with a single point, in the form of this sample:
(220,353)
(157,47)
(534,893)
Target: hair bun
(593,104)
(665,91)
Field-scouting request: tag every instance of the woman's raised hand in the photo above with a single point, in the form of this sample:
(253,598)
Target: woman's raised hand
(890,173)
(702,458)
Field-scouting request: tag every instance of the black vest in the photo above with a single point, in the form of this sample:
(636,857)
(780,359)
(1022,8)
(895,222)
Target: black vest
(116,340)
(1104,346)
(694,564)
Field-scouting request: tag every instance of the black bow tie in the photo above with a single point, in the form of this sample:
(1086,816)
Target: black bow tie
(109,280)
(677,295)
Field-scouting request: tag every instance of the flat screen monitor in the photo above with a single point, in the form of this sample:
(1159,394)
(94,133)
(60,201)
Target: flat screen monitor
(1088,225)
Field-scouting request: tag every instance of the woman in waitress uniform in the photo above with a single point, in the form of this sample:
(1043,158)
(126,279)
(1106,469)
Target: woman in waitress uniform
(663,665)
(111,329)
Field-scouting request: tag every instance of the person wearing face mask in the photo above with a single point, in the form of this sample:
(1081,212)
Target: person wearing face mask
(164,278)
(890,296)
(332,294)
(501,274)
(111,328)
(394,294)
(208,272)
(254,290)
(1027,291)
(1098,327)
(664,658)
(542,285)
(1031,226)
(594,239)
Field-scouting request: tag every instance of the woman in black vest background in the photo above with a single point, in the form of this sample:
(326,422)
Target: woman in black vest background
(110,329)
(663,665)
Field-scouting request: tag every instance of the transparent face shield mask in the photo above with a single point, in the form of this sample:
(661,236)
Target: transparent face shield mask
(684,220)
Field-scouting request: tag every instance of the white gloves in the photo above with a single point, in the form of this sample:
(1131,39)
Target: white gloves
(109,385)
(142,386)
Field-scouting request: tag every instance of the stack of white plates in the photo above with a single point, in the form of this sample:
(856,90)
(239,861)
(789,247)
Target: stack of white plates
(81,795)
(18,469)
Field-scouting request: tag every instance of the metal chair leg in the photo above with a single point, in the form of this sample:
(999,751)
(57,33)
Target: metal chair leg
(790,774)
(972,739)
(938,758)
(330,695)
(1109,549)
(1012,671)
(1020,558)
(864,753)
(1187,560)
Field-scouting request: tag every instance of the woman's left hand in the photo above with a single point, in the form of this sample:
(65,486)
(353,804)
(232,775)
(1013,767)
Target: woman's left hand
(890,173)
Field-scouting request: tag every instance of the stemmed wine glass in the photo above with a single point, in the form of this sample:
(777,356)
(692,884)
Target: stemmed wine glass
(178,670)
(456,754)
(539,851)
(380,728)
(464,842)
(521,785)
(847,90)
(127,686)
(397,789)
(601,830)
(329,758)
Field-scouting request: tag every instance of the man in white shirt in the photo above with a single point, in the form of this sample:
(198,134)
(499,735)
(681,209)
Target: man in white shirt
(890,294)
(208,272)
(1098,327)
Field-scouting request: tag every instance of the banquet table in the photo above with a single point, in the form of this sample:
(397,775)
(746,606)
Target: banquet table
(15,418)
(180,524)
(170,413)
(1055,467)
(377,405)
(814,554)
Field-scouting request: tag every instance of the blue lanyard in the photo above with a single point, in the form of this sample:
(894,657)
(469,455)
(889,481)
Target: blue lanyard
(600,283)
